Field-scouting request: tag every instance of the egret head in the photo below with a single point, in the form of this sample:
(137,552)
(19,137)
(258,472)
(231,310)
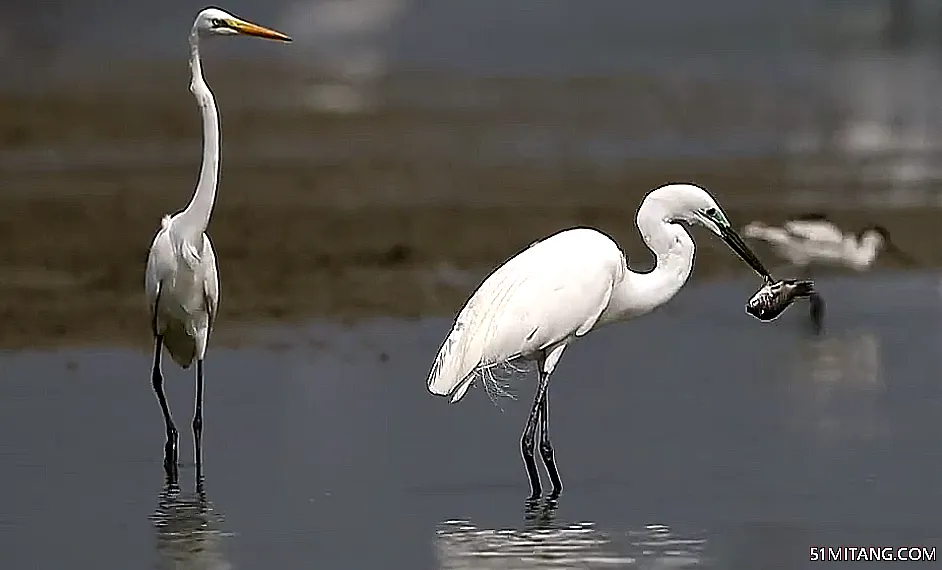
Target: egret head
(692,204)
(874,235)
(216,22)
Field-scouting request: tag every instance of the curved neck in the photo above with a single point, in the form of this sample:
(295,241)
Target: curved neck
(196,215)
(639,293)
(862,251)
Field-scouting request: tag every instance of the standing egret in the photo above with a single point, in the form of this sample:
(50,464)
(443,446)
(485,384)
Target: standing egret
(181,280)
(558,289)
(812,240)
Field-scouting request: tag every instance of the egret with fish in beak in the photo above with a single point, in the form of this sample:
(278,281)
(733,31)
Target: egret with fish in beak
(559,289)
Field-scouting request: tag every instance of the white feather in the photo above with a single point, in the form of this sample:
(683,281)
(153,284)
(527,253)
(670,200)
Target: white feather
(530,304)
(181,281)
(185,278)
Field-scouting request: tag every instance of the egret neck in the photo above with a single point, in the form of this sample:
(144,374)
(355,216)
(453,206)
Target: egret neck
(194,219)
(861,252)
(640,293)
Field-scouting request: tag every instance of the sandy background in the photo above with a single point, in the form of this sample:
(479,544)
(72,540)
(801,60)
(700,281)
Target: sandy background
(370,214)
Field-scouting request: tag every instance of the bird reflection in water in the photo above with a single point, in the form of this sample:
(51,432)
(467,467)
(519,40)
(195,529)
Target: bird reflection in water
(188,530)
(838,385)
(460,545)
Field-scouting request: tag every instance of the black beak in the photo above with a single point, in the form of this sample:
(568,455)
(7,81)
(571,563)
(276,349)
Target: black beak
(892,248)
(737,244)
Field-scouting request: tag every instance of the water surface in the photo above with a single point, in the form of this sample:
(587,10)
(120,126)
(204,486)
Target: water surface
(693,437)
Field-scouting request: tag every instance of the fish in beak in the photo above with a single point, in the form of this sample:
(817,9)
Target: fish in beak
(894,250)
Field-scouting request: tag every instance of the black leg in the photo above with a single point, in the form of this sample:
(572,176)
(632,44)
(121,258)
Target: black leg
(817,312)
(527,442)
(815,301)
(198,423)
(170,448)
(546,447)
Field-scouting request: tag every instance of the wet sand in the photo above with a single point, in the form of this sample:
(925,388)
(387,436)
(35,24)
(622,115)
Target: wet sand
(72,265)
(361,226)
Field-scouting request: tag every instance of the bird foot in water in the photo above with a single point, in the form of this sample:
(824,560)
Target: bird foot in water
(171,453)
(540,513)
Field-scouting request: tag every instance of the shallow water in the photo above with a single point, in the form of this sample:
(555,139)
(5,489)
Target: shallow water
(716,441)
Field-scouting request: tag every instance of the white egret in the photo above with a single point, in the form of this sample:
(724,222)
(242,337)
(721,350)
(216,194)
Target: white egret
(181,280)
(559,289)
(813,240)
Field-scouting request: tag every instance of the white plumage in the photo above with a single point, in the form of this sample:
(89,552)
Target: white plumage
(561,288)
(181,281)
(502,321)
(185,276)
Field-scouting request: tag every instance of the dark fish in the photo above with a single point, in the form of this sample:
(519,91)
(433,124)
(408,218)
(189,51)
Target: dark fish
(774,297)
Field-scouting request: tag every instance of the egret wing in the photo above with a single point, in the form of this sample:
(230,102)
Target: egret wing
(160,264)
(210,280)
(553,290)
(540,303)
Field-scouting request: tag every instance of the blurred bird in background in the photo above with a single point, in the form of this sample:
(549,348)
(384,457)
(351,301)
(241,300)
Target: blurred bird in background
(813,241)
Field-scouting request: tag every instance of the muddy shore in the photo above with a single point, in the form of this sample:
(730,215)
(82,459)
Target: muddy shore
(338,236)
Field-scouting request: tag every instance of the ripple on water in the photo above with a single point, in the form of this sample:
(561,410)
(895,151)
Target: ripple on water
(189,533)
(460,544)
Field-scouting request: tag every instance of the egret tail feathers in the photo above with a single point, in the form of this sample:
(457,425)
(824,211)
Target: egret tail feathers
(497,380)
(447,370)
(460,354)
(474,347)
(180,345)
(460,362)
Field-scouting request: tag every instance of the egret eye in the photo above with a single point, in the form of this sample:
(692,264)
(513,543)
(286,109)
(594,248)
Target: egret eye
(217,23)
(710,212)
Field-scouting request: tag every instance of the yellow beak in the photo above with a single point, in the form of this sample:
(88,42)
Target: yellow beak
(250,29)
